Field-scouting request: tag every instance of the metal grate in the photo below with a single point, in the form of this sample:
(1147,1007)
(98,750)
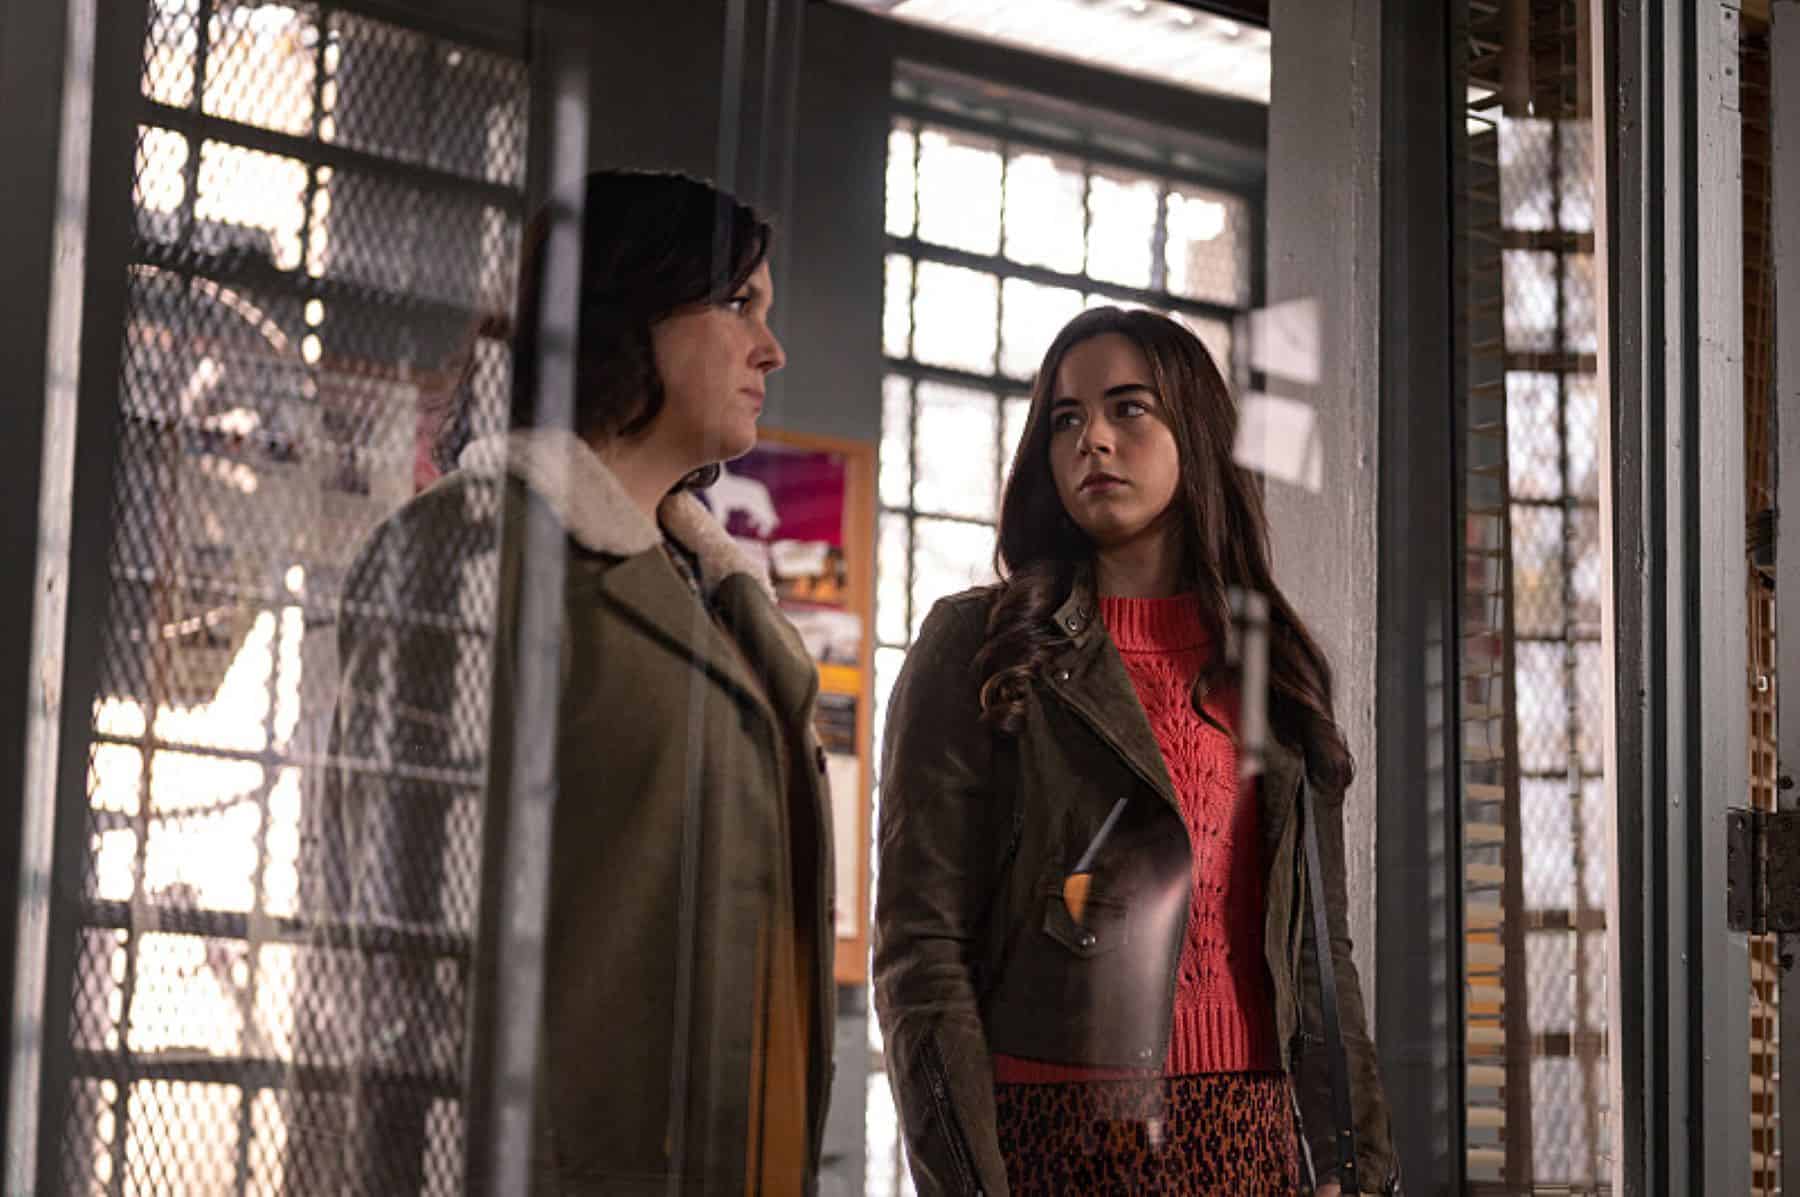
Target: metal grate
(270,985)
(1535,849)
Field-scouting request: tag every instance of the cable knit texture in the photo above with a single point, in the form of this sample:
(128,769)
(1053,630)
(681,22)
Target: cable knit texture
(1223,1021)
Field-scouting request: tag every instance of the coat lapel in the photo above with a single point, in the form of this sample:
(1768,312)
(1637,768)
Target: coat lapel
(647,590)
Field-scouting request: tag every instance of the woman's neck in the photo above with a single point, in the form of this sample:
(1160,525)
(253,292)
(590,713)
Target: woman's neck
(640,470)
(1146,566)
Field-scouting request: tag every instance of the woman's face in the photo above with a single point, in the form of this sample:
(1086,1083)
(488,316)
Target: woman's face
(712,361)
(1112,451)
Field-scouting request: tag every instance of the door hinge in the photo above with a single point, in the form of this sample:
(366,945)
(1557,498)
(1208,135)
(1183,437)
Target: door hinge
(1762,870)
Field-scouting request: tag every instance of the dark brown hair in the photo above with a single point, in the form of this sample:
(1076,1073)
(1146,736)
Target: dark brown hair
(652,244)
(1224,543)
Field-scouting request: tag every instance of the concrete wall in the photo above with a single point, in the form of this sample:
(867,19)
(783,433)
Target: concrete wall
(1325,137)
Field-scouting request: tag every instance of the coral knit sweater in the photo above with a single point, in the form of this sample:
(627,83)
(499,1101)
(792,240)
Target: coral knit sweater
(1223,1018)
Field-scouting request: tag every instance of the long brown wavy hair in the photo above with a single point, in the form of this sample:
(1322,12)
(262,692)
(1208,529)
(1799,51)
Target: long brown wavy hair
(1224,543)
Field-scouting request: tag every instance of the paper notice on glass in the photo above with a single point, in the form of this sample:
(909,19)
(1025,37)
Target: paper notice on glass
(1279,438)
(1284,340)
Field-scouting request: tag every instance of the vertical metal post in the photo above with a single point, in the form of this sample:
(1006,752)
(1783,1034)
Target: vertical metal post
(516,830)
(1418,832)
(82,136)
(1717,708)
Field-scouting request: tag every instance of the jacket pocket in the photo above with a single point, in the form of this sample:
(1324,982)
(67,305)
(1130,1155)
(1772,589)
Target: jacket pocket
(943,1112)
(1105,925)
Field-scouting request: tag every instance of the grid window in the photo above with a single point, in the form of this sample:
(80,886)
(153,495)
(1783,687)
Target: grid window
(326,217)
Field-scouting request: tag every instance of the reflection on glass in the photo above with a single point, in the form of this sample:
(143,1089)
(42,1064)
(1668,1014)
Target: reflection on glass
(959,190)
(957,444)
(1207,254)
(1121,227)
(901,216)
(954,313)
(1030,317)
(949,558)
(896,307)
(1044,211)
(890,581)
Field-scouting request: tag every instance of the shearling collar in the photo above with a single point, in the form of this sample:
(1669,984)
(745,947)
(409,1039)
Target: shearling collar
(587,497)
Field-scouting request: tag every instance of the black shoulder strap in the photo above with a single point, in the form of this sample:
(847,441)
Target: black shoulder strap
(1345,1161)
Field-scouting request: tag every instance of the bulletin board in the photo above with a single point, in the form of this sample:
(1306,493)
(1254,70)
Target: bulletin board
(805,506)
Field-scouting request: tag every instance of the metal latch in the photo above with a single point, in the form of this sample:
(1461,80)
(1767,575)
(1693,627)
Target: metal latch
(1762,870)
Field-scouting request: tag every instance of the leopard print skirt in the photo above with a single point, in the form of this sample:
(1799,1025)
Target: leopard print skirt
(1217,1133)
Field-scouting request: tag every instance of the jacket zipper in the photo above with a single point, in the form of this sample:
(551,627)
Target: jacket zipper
(961,1155)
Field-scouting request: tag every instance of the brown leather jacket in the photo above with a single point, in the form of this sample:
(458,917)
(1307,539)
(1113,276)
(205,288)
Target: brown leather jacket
(974,951)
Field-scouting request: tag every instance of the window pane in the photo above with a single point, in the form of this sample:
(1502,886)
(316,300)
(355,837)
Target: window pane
(1580,333)
(1012,428)
(260,65)
(251,202)
(1530,277)
(1030,317)
(1526,193)
(1122,225)
(959,191)
(890,584)
(957,446)
(1043,211)
(1543,702)
(900,198)
(948,558)
(896,441)
(887,668)
(1214,334)
(1580,405)
(954,313)
(1208,248)
(1537,571)
(1546,844)
(1531,436)
(896,307)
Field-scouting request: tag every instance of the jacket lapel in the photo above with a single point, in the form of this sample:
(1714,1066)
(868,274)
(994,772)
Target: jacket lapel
(646,589)
(1090,678)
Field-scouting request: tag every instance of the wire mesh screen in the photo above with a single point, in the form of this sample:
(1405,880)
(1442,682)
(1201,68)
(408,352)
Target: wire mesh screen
(327,212)
(1535,837)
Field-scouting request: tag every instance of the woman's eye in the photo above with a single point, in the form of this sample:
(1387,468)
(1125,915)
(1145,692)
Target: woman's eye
(1133,407)
(1062,420)
(738,304)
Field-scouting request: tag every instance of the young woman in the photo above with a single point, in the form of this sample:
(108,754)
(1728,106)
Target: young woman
(687,997)
(1092,962)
